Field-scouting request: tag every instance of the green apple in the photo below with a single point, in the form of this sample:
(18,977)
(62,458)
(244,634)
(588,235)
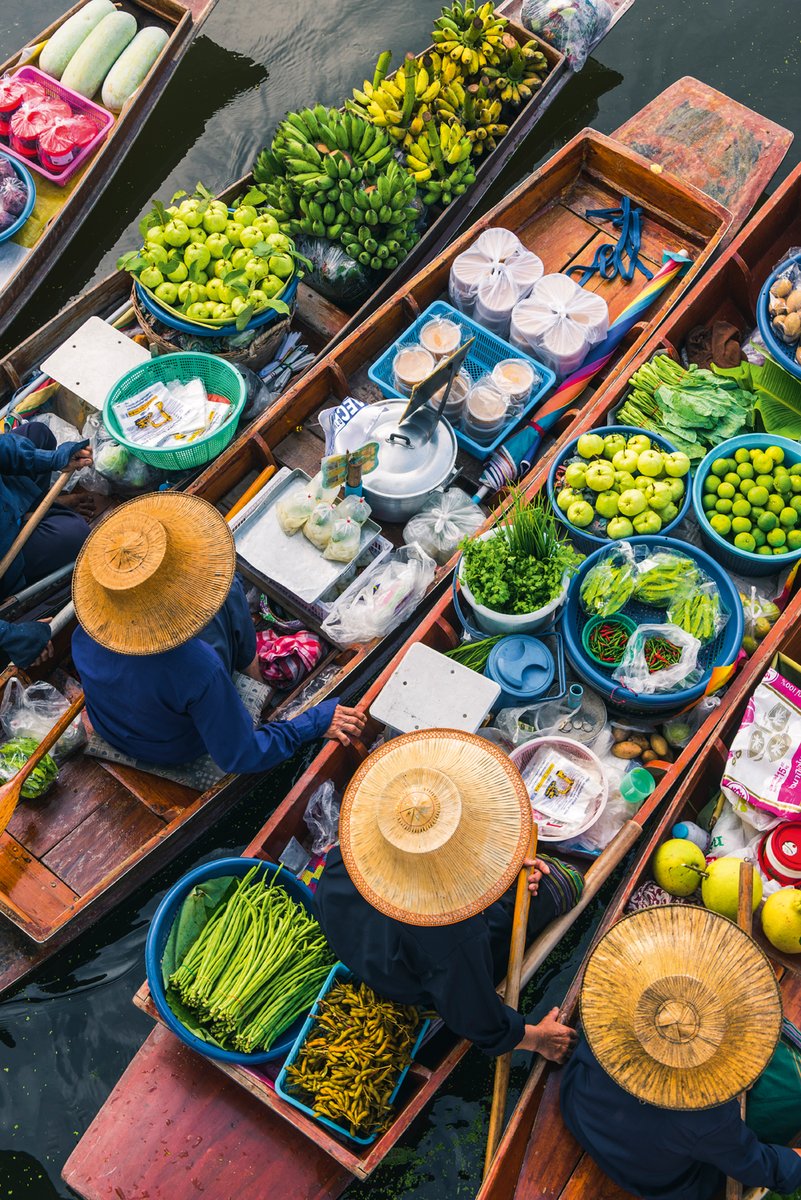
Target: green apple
(647,522)
(176,232)
(677,464)
(623,480)
(669,513)
(188,293)
(213,288)
(178,274)
(580,514)
(197,237)
(250,237)
(256,268)
(217,243)
(222,312)
(632,502)
(676,489)
(590,445)
(198,311)
(188,212)
(151,278)
(202,278)
(214,221)
(268,225)
(576,475)
(619,527)
(279,243)
(197,254)
(226,295)
(172,211)
(567,497)
(644,483)
(258,299)
(625,460)
(246,214)
(650,463)
(660,496)
(233,231)
(222,267)
(271,286)
(283,266)
(600,475)
(155,235)
(167,293)
(606,503)
(613,444)
(156,254)
(239,258)
(238,305)
(638,442)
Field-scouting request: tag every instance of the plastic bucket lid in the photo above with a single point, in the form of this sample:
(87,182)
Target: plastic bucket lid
(780,853)
(523,667)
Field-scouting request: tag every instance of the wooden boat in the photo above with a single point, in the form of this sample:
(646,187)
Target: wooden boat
(59,211)
(240,1112)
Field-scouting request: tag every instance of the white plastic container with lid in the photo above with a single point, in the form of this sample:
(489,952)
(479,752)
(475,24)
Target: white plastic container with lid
(487,280)
(412,364)
(486,410)
(440,337)
(559,322)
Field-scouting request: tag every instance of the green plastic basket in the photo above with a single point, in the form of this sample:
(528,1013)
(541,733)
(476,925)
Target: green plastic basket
(218,376)
(615,619)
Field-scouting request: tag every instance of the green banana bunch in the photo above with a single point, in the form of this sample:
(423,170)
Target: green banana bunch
(519,71)
(482,118)
(471,36)
(439,161)
(319,147)
(381,219)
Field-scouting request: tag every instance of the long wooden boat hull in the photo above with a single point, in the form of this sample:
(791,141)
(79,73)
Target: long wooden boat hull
(735,280)
(60,212)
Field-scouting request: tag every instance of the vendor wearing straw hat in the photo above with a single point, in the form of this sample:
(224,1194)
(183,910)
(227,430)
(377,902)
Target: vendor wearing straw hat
(681,1012)
(163,623)
(434,828)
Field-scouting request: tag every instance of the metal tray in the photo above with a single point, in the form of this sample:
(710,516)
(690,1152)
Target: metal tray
(291,562)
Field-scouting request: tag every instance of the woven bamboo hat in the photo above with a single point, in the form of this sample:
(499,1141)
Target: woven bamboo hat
(680,1007)
(153,573)
(434,826)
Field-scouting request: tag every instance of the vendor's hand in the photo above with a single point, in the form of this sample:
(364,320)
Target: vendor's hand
(551,1038)
(47,653)
(347,723)
(540,868)
(80,459)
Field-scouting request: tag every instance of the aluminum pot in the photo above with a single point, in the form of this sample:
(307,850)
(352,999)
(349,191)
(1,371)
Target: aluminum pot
(411,465)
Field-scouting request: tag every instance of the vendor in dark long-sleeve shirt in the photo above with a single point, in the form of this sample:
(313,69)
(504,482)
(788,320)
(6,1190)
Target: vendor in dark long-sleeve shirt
(651,1098)
(163,624)
(416,903)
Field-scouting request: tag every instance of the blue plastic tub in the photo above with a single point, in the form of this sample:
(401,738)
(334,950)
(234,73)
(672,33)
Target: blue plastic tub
(742,562)
(721,652)
(159,932)
(338,972)
(589,541)
(485,353)
(24,174)
(148,301)
(784,355)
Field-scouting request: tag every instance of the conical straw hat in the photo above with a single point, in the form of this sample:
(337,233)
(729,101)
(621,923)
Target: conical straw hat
(434,826)
(680,1007)
(153,573)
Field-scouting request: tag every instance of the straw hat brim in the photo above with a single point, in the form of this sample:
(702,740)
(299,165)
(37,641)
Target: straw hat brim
(680,1007)
(483,846)
(179,599)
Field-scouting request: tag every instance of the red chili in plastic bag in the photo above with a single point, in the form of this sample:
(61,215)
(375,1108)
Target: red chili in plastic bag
(62,142)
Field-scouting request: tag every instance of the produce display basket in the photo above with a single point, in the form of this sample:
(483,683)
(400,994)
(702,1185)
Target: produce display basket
(782,353)
(100,117)
(485,353)
(175,321)
(743,562)
(721,652)
(585,540)
(548,831)
(339,974)
(24,174)
(159,932)
(218,376)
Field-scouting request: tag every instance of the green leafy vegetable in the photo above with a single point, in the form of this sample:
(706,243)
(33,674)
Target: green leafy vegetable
(13,757)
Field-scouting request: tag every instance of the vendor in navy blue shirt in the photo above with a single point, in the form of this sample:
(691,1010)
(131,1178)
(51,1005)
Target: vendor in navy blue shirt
(163,623)
(613,1100)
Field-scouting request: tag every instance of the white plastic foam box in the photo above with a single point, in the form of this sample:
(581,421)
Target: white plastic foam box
(430,691)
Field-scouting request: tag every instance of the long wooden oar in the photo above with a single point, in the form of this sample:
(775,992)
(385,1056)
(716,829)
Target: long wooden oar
(10,792)
(32,522)
(503,1063)
(745,919)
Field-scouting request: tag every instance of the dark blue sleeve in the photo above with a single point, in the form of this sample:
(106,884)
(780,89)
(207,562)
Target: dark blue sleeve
(464,996)
(23,643)
(736,1150)
(19,456)
(231,631)
(228,734)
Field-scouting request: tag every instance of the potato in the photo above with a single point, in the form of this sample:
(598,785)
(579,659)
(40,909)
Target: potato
(641,740)
(619,735)
(649,756)
(659,745)
(627,750)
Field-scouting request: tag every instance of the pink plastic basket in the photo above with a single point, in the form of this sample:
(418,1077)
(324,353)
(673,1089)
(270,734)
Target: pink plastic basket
(79,104)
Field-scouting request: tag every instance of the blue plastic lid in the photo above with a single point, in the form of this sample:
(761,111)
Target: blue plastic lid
(521,665)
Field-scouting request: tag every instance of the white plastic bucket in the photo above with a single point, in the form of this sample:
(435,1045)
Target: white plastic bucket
(496,622)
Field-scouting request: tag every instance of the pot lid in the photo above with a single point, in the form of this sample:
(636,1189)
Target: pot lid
(407,464)
(780,852)
(522,665)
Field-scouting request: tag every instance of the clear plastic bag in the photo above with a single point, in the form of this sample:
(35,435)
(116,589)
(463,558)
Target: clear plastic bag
(496,296)
(760,615)
(784,305)
(573,27)
(322,817)
(320,525)
(381,599)
(443,522)
(31,712)
(499,267)
(114,470)
(608,586)
(633,671)
(696,609)
(13,757)
(334,273)
(295,507)
(679,731)
(661,576)
(343,545)
(559,322)
(355,507)
(486,410)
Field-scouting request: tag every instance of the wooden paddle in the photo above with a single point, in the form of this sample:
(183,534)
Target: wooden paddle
(511,997)
(745,919)
(32,522)
(10,792)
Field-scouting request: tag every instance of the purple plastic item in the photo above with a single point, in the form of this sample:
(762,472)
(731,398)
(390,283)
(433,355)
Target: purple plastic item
(79,104)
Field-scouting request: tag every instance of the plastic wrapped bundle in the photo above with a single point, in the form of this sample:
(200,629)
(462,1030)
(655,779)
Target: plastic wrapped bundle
(320,525)
(559,322)
(488,279)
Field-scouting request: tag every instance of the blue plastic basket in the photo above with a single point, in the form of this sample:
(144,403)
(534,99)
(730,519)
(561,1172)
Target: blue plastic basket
(784,356)
(721,652)
(338,972)
(588,541)
(24,174)
(159,932)
(149,301)
(485,353)
(742,561)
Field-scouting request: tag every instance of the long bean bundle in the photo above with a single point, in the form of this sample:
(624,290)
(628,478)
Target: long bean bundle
(258,963)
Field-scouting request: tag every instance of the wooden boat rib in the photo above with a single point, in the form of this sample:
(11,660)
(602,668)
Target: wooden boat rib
(736,278)
(59,212)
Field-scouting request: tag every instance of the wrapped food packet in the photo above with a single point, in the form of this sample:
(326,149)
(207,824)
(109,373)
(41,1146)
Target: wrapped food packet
(696,609)
(608,586)
(355,507)
(500,267)
(295,507)
(443,522)
(573,27)
(343,545)
(320,525)
(659,659)
(663,575)
(559,322)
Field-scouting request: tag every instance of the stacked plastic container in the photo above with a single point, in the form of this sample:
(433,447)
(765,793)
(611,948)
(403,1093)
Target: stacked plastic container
(559,322)
(489,279)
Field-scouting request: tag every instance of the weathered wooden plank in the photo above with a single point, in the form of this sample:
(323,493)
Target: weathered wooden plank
(164,797)
(552,1153)
(82,787)
(112,832)
(29,886)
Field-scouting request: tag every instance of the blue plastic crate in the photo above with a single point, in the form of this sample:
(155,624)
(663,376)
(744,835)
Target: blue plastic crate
(485,353)
(339,972)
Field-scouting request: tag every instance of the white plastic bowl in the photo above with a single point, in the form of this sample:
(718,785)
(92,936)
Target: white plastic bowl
(548,831)
(496,622)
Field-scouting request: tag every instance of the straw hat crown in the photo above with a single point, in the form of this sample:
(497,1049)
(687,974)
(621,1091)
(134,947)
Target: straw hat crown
(434,826)
(153,573)
(680,1007)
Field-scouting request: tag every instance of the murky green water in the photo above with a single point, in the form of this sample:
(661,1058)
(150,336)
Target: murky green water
(66,1036)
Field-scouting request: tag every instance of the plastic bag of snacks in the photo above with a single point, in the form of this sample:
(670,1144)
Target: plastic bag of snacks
(320,525)
(659,659)
(573,27)
(343,545)
(696,609)
(31,712)
(559,322)
(355,507)
(609,585)
(762,771)
(295,507)
(13,757)
(114,469)
(380,599)
(760,616)
(443,522)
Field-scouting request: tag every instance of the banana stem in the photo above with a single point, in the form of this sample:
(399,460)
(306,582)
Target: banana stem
(470,105)
(381,68)
(410,69)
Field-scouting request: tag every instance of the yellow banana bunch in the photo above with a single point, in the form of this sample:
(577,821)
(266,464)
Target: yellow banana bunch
(472,37)
(450,101)
(439,160)
(482,118)
(520,71)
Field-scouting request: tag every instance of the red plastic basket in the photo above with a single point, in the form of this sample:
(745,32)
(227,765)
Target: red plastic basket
(79,104)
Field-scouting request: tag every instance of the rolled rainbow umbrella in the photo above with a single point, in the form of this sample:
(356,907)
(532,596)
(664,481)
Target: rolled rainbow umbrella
(520,451)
